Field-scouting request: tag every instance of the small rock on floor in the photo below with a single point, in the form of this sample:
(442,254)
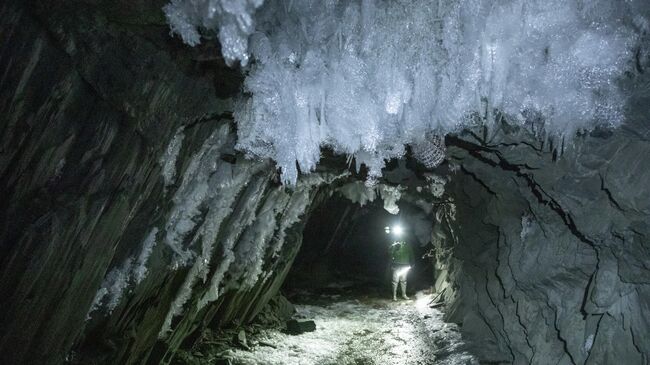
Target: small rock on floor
(295,327)
(240,340)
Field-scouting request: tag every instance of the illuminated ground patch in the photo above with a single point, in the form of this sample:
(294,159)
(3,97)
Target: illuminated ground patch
(369,331)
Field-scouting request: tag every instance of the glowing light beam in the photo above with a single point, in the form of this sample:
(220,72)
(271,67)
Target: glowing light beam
(398,230)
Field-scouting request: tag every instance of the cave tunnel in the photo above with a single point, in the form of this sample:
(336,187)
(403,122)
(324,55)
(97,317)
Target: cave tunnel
(221,182)
(346,244)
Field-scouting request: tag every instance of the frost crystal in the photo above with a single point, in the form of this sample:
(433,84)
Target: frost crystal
(140,270)
(436,185)
(390,195)
(233,19)
(168,159)
(527,221)
(357,192)
(589,342)
(367,77)
(361,193)
(119,278)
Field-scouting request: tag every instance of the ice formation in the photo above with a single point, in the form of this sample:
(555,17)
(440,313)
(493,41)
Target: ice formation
(132,271)
(112,289)
(140,269)
(527,221)
(168,159)
(359,193)
(206,195)
(210,191)
(367,77)
(390,195)
(436,184)
(201,185)
(232,18)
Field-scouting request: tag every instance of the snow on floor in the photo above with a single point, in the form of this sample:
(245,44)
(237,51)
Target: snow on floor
(364,332)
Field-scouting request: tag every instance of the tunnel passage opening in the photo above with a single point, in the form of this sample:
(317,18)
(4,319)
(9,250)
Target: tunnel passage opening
(346,249)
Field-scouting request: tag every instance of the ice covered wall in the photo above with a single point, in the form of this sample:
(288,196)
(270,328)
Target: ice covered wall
(367,77)
(128,222)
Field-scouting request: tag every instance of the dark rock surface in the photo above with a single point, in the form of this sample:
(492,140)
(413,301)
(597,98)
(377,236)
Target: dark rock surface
(543,255)
(111,133)
(295,327)
(128,223)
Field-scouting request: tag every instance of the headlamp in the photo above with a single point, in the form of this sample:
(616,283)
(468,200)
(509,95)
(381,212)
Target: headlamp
(397,230)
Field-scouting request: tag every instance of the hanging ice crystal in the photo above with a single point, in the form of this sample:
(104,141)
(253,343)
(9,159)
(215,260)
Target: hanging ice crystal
(368,77)
(358,192)
(233,18)
(390,195)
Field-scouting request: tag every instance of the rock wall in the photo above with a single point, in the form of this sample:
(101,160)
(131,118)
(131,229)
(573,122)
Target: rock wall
(543,253)
(128,222)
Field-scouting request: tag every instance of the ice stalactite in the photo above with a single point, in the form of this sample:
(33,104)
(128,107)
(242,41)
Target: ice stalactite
(358,192)
(366,78)
(233,18)
(390,195)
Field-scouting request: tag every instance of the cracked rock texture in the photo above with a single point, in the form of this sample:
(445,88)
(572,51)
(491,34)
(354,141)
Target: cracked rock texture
(121,189)
(128,223)
(544,257)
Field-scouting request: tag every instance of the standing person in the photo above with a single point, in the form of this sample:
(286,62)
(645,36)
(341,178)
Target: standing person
(401,261)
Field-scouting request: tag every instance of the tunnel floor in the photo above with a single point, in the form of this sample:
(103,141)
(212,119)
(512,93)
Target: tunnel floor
(362,330)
